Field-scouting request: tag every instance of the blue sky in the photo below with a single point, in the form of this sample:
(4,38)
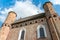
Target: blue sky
(24,8)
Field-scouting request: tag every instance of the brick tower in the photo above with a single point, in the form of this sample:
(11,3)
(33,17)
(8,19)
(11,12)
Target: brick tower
(52,20)
(7,25)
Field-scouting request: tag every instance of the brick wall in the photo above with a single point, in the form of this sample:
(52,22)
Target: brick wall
(31,31)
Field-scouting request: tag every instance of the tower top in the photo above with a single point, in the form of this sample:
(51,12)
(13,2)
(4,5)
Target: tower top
(47,3)
(13,13)
(10,18)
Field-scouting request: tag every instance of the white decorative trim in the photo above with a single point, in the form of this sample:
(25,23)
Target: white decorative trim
(21,33)
(38,33)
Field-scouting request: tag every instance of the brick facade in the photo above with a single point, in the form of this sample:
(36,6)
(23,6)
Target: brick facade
(50,20)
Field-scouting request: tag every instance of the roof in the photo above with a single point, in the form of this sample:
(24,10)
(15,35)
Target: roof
(41,15)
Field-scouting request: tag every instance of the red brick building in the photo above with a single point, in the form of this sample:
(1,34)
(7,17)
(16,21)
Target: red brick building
(43,26)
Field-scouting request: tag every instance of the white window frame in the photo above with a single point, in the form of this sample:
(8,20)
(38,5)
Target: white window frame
(38,32)
(20,32)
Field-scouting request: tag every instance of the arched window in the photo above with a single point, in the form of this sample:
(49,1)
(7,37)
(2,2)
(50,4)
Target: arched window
(21,35)
(41,32)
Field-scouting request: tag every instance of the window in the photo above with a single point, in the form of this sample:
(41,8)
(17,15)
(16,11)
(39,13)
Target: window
(16,26)
(5,24)
(35,21)
(30,22)
(41,20)
(41,32)
(21,25)
(21,35)
(25,23)
(54,15)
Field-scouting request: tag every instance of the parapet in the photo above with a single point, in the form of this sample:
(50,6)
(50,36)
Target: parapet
(12,12)
(46,3)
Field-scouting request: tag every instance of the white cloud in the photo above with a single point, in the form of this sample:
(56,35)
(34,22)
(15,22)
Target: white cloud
(23,9)
(2,18)
(55,1)
(5,11)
